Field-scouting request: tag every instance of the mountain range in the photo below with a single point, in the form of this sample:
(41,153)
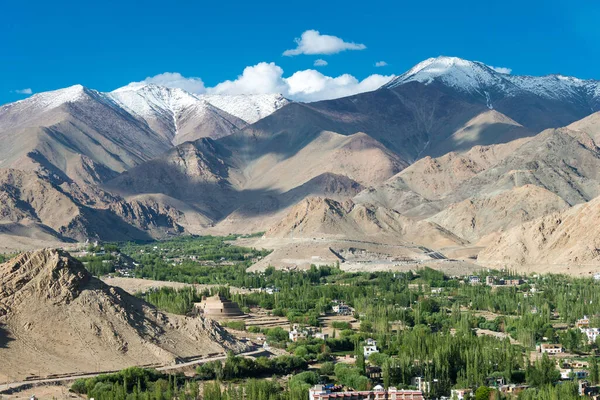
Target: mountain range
(452,154)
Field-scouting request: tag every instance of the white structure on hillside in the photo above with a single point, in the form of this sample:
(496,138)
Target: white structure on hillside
(341,309)
(321,392)
(460,394)
(591,333)
(576,373)
(298,333)
(550,348)
(370,348)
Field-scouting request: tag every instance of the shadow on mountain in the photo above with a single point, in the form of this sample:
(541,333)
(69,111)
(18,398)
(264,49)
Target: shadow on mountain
(5,337)
(485,135)
(217,200)
(404,120)
(109,226)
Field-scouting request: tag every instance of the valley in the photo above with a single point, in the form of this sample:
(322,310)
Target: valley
(434,237)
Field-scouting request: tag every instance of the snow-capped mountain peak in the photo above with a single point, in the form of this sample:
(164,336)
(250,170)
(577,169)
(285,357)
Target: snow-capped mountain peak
(146,99)
(52,99)
(477,78)
(248,107)
(463,75)
(143,99)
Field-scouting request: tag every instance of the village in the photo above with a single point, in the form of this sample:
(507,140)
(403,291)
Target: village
(350,328)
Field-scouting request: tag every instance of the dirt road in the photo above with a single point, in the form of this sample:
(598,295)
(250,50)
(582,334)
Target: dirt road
(12,386)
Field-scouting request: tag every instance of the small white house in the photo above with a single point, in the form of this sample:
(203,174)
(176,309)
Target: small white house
(550,348)
(298,334)
(460,394)
(341,309)
(368,350)
(591,333)
(577,374)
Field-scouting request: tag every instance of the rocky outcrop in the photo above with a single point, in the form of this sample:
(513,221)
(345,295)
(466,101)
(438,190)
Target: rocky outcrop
(78,323)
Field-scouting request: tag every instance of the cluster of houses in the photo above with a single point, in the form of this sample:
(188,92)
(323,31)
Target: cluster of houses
(301,333)
(267,290)
(495,281)
(327,392)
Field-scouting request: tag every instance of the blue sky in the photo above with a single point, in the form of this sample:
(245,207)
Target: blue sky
(107,44)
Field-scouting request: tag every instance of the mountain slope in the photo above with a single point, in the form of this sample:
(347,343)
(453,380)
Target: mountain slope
(79,324)
(557,240)
(535,102)
(31,204)
(77,133)
(216,178)
(419,189)
(176,114)
(247,107)
(322,217)
(477,217)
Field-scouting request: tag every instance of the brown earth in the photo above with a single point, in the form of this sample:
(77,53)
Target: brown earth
(56,318)
(567,241)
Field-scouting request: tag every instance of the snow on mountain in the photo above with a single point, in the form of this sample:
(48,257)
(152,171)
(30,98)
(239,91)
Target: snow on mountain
(29,111)
(473,77)
(176,114)
(455,72)
(48,100)
(146,100)
(249,107)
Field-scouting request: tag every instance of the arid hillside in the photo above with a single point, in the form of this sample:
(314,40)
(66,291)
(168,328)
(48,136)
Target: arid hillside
(56,318)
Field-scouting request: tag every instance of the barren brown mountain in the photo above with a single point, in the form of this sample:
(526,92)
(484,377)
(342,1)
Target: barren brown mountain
(327,218)
(477,217)
(450,140)
(56,318)
(567,241)
(31,204)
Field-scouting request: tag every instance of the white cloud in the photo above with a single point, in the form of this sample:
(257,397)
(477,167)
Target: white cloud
(24,91)
(320,63)
(312,42)
(311,85)
(380,64)
(264,78)
(176,80)
(502,70)
(260,78)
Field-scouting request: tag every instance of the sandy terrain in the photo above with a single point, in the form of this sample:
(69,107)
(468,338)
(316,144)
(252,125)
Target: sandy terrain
(55,318)
(135,285)
(58,392)
(352,255)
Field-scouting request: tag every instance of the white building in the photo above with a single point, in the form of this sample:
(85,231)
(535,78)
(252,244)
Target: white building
(368,350)
(583,322)
(298,333)
(550,348)
(591,333)
(460,394)
(321,392)
(341,309)
(577,374)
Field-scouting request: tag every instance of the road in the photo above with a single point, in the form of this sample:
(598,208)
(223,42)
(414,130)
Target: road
(167,368)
